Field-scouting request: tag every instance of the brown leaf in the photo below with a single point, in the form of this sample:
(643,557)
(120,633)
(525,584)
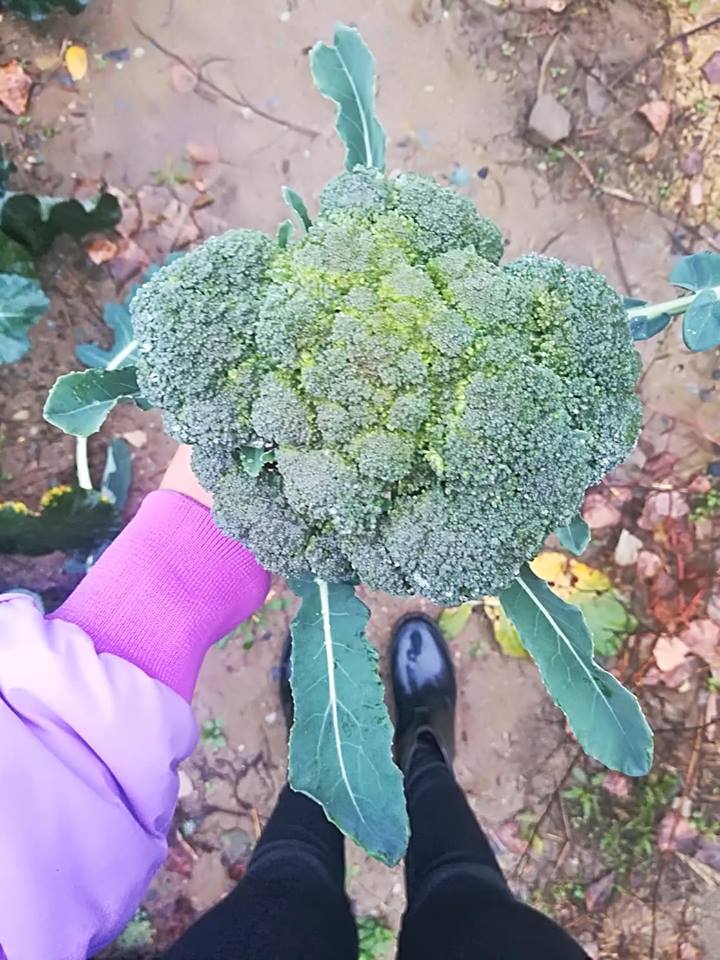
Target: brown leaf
(702,637)
(130,223)
(183,79)
(179,861)
(101,249)
(675,832)
(673,679)
(660,466)
(203,152)
(711,68)
(699,484)
(508,834)
(153,202)
(661,504)
(669,653)
(598,512)
(15,87)
(599,892)
(657,114)
(130,260)
(649,564)
(689,952)
(617,784)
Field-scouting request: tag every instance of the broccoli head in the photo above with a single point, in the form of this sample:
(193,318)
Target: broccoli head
(381,400)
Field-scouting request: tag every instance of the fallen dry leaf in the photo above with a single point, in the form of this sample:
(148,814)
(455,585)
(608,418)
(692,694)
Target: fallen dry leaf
(183,80)
(130,260)
(599,892)
(203,152)
(659,466)
(689,952)
(101,250)
(617,784)
(675,832)
(669,653)
(649,564)
(508,834)
(76,61)
(179,861)
(15,87)
(702,638)
(598,512)
(711,68)
(153,202)
(672,679)
(657,114)
(699,484)
(661,504)
(130,223)
(136,438)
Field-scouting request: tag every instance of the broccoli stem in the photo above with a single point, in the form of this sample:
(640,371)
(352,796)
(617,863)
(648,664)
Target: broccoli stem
(672,307)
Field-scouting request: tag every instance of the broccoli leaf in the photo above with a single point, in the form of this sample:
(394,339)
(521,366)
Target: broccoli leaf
(117,474)
(340,746)
(22,303)
(284,233)
(604,716)
(345,73)
(36,221)
(79,402)
(123,352)
(40,9)
(575,536)
(297,205)
(69,519)
(697,271)
(701,322)
(253,459)
(642,327)
(14,258)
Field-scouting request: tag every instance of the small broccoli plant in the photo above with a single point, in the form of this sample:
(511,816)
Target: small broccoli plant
(374,398)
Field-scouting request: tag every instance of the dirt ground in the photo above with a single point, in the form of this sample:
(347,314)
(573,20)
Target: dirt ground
(456,86)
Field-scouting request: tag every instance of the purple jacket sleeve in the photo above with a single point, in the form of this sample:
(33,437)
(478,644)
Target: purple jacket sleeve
(94,720)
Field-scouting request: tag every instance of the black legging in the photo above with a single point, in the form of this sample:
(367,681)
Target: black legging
(292,905)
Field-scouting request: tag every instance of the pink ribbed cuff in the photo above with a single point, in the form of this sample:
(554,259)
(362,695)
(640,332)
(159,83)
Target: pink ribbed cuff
(169,587)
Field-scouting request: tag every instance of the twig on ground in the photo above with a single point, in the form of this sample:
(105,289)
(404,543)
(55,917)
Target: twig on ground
(675,38)
(545,814)
(239,101)
(542,76)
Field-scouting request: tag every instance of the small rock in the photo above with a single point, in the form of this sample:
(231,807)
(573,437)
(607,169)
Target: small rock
(271,718)
(549,121)
(596,95)
(711,68)
(627,549)
(599,892)
(236,845)
(187,787)
(692,163)
(696,194)
(20,416)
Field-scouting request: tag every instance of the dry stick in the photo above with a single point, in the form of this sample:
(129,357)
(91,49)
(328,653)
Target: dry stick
(546,813)
(542,77)
(676,38)
(239,101)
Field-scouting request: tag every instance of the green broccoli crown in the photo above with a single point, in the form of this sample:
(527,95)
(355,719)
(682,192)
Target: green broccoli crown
(382,401)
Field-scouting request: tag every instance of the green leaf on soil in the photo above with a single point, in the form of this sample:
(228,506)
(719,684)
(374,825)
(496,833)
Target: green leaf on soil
(575,536)
(36,221)
(297,205)
(69,519)
(701,322)
(605,717)
(22,304)
(79,402)
(340,745)
(16,259)
(345,73)
(453,620)
(696,272)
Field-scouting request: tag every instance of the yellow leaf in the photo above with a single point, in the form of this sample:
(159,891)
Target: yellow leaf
(569,576)
(76,61)
(452,620)
(506,636)
(553,567)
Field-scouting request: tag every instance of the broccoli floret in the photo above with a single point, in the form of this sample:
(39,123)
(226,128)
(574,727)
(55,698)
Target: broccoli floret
(424,416)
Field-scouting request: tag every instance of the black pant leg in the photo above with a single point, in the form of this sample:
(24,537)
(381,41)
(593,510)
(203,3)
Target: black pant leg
(291,904)
(459,905)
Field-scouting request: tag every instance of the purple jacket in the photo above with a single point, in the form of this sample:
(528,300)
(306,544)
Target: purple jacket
(95,718)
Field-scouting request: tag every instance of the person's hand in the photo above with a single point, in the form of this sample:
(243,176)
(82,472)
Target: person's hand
(179,477)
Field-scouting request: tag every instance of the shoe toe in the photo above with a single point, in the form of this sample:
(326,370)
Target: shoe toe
(419,658)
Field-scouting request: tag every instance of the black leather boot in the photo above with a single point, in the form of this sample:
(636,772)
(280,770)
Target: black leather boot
(286,700)
(424,685)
